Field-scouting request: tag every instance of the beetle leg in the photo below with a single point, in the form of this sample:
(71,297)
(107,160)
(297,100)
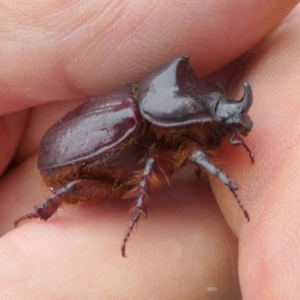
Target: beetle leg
(142,200)
(239,142)
(43,211)
(25,217)
(202,160)
(82,188)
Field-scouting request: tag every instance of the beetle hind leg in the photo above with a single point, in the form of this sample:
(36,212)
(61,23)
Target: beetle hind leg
(201,159)
(142,200)
(82,188)
(43,211)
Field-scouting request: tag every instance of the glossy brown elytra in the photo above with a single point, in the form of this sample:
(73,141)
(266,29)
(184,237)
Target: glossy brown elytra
(130,140)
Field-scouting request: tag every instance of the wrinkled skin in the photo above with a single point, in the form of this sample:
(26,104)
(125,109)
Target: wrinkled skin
(185,249)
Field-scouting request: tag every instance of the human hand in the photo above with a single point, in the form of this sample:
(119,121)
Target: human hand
(184,250)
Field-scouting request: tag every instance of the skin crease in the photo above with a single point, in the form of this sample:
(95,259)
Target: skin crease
(185,249)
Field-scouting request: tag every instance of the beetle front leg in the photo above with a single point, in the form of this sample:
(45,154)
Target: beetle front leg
(141,204)
(202,160)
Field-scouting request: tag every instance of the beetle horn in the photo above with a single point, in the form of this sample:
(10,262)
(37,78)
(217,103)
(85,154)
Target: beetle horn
(247,98)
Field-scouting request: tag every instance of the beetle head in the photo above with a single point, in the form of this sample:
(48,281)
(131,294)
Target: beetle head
(235,113)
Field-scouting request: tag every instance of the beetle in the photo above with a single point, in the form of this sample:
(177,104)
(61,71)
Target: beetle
(132,139)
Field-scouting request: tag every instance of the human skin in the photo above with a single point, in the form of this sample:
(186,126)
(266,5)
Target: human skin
(54,55)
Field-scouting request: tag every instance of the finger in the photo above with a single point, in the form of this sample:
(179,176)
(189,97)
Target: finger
(270,243)
(11,128)
(207,56)
(56,51)
(25,85)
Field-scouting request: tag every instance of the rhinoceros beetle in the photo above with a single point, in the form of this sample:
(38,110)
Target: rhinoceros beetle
(130,140)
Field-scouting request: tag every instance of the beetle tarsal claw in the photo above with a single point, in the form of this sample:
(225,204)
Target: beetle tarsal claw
(33,215)
(134,221)
(142,200)
(246,214)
